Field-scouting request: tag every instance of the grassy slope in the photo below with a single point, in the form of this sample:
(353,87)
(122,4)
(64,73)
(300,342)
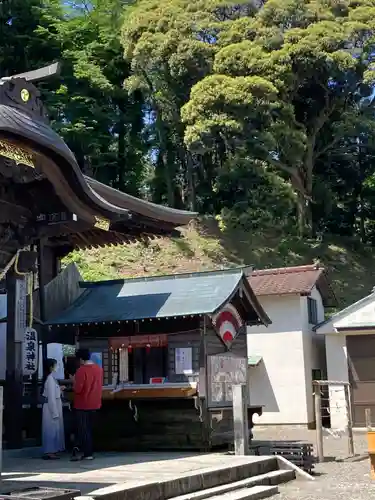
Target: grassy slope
(204,247)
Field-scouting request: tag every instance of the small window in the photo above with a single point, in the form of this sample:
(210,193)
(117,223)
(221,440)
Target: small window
(312,311)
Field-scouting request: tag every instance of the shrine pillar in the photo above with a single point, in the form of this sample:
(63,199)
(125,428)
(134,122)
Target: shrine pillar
(21,349)
(16,325)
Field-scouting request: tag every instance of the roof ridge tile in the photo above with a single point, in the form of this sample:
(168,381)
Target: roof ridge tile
(287,270)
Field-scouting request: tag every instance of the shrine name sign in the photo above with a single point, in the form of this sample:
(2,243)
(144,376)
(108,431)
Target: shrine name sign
(30,352)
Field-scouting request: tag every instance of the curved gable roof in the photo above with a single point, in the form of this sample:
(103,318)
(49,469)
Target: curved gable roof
(97,197)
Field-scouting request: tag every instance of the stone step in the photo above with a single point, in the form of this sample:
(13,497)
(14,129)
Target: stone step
(271,478)
(217,476)
(216,480)
(254,493)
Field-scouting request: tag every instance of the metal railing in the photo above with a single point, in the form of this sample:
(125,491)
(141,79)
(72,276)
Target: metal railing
(318,396)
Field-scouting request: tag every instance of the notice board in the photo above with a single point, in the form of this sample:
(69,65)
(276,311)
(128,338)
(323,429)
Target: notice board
(223,371)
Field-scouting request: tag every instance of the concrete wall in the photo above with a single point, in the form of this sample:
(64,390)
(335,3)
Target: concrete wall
(290,352)
(337,370)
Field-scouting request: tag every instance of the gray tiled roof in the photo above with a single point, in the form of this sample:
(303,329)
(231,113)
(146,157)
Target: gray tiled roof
(156,297)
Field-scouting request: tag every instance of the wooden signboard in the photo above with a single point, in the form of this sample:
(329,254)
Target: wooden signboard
(223,371)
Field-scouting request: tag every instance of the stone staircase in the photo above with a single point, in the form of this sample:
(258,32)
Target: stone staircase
(253,478)
(252,488)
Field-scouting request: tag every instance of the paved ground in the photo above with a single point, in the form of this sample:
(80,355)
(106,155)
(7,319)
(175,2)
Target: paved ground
(336,479)
(109,470)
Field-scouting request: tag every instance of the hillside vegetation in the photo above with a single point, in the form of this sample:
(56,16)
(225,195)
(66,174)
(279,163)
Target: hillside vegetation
(204,247)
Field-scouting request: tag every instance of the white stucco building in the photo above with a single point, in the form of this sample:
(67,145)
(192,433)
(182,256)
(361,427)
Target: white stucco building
(284,358)
(350,355)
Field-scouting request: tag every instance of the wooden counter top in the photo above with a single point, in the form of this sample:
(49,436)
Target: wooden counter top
(152,391)
(146,391)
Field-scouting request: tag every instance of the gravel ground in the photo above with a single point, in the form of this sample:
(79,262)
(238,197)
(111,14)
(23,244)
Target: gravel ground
(339,478)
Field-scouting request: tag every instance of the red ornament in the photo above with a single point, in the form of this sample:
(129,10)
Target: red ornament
(148,348)
(227,336)
(228,323)
(130,348)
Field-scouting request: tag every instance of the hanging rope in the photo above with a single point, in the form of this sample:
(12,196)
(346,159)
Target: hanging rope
(8,266)
(14,260)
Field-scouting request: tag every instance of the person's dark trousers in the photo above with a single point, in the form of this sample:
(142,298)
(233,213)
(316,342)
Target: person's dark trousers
(84,431)
(70,425)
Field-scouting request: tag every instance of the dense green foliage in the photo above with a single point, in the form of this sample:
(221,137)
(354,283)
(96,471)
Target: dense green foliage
(262,116)
(88,106)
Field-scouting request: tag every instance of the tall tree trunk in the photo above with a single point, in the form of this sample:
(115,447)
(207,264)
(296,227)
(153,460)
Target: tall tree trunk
(301,214)
(121,166)
(304,179)
(169,180)
(362,227)
(304,215)
(163,146)
(188,163)
(308,186)
(304,212)
(192,197)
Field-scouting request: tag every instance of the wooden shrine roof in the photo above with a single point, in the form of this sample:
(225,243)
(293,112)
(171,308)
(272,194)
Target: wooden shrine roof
(43,192)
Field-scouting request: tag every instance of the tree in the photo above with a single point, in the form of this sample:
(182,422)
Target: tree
(168,45)
(88,106)
(101,123)
(284,79)
(28,38)
(346,173)
(251,197)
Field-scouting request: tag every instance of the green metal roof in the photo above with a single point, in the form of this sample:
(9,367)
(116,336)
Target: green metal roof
(156,297)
